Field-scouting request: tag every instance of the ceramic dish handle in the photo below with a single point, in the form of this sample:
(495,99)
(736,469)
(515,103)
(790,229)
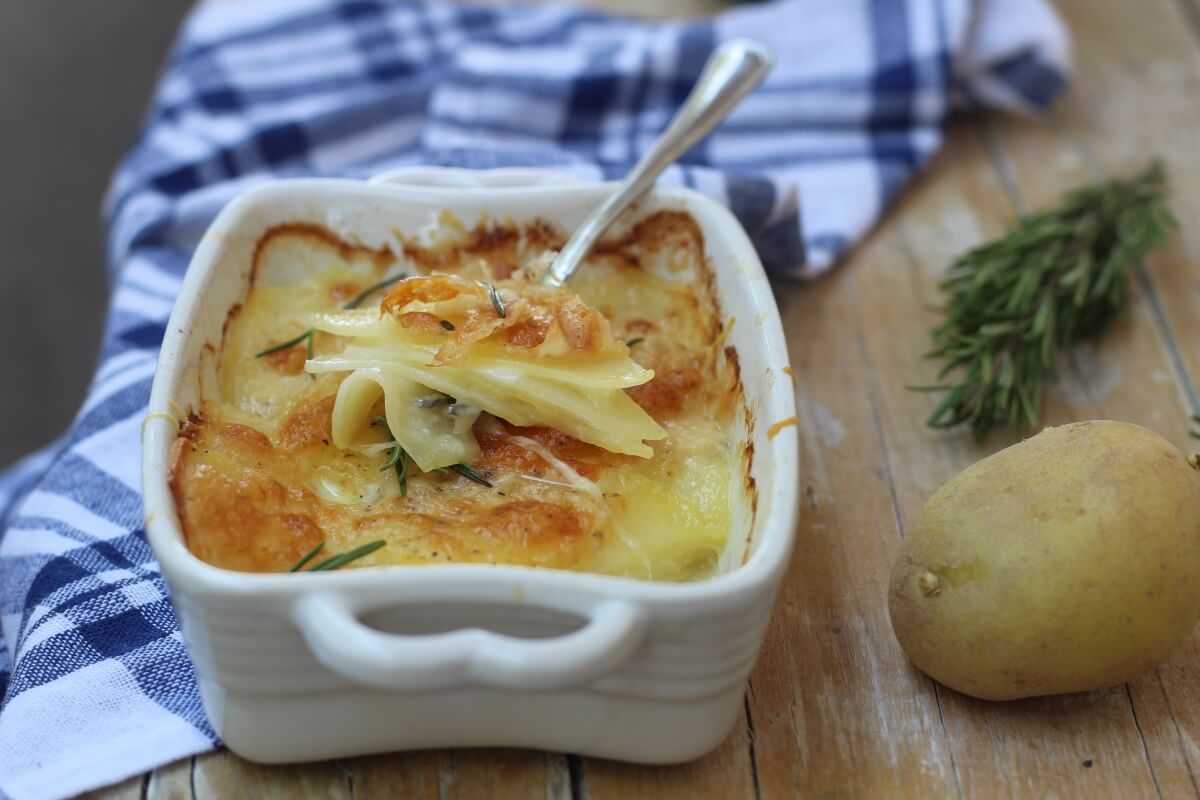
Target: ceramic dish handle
(341,642)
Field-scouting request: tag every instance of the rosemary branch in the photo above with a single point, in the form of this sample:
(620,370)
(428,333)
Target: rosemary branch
(1015,304)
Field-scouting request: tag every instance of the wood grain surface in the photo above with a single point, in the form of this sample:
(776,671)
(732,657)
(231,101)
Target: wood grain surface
(833,708)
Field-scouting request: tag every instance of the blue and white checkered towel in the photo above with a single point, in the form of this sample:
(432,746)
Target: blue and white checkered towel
(96,683)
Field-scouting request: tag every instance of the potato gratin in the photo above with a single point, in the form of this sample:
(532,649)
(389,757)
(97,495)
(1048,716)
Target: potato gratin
(436,405)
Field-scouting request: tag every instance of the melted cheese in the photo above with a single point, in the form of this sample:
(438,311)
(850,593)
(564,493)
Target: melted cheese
(620,463)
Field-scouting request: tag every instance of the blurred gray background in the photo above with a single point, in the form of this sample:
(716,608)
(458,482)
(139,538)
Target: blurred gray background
(74,80)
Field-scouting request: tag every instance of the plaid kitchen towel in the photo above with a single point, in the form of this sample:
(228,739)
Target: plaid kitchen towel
(95,680)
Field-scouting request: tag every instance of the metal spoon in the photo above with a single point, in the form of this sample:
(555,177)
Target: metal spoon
(733,70)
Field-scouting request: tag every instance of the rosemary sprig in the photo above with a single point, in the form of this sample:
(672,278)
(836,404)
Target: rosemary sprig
(471,474)
(1196,433)
(307,557)
(342,559)
(312,332)
(1015,304)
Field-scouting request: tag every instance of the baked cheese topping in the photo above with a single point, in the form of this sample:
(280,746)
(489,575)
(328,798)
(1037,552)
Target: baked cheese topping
(463,414)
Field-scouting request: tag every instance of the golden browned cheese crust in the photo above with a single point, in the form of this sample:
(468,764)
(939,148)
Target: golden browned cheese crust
(242,509)
(258,482)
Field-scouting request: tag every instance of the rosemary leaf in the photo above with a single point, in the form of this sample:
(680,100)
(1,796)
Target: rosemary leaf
(1196,433)
(496,302)
(393,458)
(356,301)
(471,474)
(308,334)
(1013,306)
(342,559)
(635,340)
(402,471)
(307,557)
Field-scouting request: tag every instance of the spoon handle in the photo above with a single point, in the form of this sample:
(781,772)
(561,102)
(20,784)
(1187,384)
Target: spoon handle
(733,70)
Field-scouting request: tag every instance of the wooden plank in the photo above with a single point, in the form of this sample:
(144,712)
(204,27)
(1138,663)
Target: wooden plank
(503,774)
(1166,750)
(837,709)
(222,774)
(130,789)
(435,774)
(450,774)
(171,782)
(727,773)
(1137,97)
(409,775)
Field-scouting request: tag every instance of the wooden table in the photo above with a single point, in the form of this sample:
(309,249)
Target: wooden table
(833,707)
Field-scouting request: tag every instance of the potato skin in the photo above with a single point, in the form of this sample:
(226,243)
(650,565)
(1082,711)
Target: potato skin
(1067,562)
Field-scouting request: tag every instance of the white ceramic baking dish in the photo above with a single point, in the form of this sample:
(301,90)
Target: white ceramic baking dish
(295,667)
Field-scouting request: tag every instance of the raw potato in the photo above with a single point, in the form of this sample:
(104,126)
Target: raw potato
(1067,562)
